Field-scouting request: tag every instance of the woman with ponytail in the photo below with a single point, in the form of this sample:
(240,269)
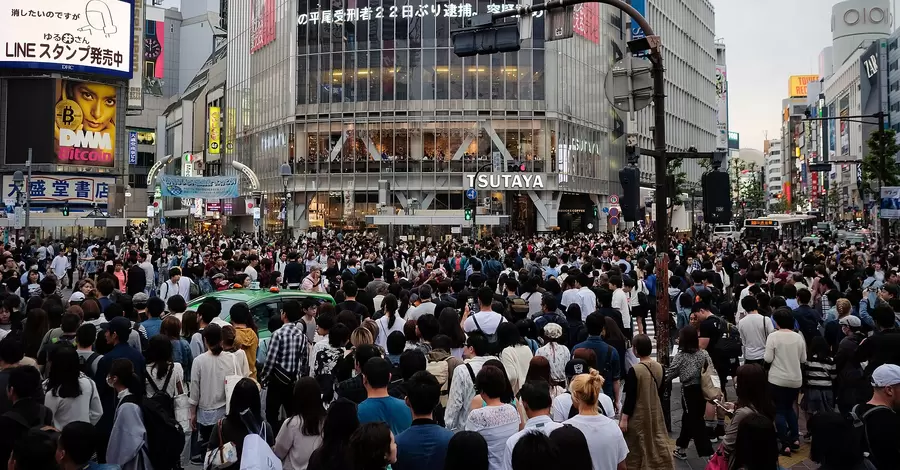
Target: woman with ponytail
(128,439)
(605,440)
(390,322)
(207,396)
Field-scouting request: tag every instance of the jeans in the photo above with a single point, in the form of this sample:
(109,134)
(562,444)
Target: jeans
(785,417)
(278,395)
(692,424)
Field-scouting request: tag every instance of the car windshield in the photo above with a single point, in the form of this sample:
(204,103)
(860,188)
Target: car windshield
(227,303)
(724,228)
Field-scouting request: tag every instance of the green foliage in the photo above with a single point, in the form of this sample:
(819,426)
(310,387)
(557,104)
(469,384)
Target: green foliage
(879,168)
(674,167)
(778,206)
(751,192)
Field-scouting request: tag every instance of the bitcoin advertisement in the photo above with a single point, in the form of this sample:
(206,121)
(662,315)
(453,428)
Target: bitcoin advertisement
(85,123)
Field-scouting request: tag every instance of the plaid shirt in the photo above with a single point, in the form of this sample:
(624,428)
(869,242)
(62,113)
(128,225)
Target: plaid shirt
(287,349)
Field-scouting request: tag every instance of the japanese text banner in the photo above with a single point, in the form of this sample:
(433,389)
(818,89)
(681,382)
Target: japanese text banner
(73,35)
(61,188)
(214,187)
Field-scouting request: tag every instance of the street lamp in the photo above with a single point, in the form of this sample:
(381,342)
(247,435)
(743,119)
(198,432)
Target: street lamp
(19,182)
(286,173)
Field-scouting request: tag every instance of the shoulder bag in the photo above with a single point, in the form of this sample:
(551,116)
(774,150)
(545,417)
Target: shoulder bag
(223,456)
(709,381)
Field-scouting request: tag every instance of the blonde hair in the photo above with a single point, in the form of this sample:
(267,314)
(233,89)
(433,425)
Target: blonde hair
(361,336)
(843,306)
(586,388)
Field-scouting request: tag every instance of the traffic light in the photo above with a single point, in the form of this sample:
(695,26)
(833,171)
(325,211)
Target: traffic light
(630,178)
(716,187)
(486,40)
(595,212)
(468,213)
(65,210)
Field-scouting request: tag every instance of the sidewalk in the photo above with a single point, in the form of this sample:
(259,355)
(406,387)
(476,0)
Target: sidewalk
(798,461)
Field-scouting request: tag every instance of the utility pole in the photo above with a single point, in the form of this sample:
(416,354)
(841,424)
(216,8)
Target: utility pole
(28,198)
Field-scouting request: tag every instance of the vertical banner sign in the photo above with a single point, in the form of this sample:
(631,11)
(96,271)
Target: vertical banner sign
(262,28)
(586,21)
(85,123)
(132,148)
(349,200)
(721,107)
(215,114)
(230,130)
(636,31)
(890,202)
(136,84)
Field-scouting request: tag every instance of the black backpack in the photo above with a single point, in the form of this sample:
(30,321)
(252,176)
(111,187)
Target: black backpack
(165,437)
(161,396)
(493,340)
(86,364)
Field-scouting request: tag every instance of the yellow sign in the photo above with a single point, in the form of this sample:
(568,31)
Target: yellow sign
(215,115)
(797,84)
(230,130)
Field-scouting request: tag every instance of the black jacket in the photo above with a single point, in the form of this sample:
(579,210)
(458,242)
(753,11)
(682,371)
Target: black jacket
(25,414)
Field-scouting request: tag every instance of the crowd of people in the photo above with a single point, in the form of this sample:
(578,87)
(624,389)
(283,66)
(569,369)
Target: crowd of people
(508,353)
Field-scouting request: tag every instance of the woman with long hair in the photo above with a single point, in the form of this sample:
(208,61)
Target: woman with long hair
(605,440)
(163,374)
(467,450)
(68,393)
(372,447)
(496,420)
(170,328)
(688,366)
(128,438)
(539,369)
(229,337)
(642,421)
(340,423)
(37,324)
(448,324)
(515,354)
(244,417)
(574,453)
(301,434)
(390,322)
(753,397)
(756,445)
(207,391)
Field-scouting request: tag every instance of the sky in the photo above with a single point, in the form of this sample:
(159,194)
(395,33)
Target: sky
(766,42)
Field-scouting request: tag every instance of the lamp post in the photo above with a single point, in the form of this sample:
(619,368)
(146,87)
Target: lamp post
(286,173)
(19,182)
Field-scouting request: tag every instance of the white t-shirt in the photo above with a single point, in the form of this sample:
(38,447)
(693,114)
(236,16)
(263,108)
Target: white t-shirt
(754,329)
(620,303)
(488,321)
(562,404)
(542,424)
(605,440)
(384,331)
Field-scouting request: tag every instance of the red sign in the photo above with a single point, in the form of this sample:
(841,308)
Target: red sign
(814,177)
(262,28)
(213,207)
(586,21)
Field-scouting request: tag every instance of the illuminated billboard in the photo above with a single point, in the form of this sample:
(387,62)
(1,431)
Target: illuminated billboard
(85,123)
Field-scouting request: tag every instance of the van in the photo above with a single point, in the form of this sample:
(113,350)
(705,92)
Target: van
(724,232)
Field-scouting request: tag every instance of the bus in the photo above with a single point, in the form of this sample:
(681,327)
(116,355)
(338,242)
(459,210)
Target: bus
(775,227)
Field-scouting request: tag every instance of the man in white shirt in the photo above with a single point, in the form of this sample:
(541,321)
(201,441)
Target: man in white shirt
(462,385)
(751,281)
(147,265)
(570,294)
(536,400)
(176,285)
(586,297)
(426,307)
(59,266)
(754,329)
(487,319)
(251,268)
(621,303)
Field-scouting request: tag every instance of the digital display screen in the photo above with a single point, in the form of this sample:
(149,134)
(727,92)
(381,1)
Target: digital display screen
(761,223)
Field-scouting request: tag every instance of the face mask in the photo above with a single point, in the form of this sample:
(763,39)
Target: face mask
(110,381)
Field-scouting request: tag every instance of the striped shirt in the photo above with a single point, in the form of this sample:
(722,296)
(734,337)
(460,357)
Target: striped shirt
(820,372)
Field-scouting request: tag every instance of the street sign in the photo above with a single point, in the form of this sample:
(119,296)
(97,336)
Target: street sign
(614,211)
(613,221)
(9,201)
(256,215)
(629,84)
(151,211)
(471,194)
(613,199)
(606,210)
(256,222)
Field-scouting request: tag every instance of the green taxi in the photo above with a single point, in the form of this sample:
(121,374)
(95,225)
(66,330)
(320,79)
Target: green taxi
(264,303)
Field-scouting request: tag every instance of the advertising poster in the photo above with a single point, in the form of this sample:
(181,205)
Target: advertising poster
(215,125)
(890,202)
(154,49)
(586,21)
(85,123)
(262,29)
(831,131)
(210,187)
(92,36)
(845,134)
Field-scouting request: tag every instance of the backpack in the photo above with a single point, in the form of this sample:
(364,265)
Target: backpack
(729,344)
(87,363)
(194,290)
(143,339)
(165,437)
(161,396)
(441,371)
(517,306)
(492,339)
(859,424)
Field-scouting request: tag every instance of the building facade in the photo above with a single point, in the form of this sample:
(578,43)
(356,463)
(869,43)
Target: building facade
(773,170)
(846,141)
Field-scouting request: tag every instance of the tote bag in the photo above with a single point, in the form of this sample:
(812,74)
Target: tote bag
(709,381)
(230,382)
(257,455)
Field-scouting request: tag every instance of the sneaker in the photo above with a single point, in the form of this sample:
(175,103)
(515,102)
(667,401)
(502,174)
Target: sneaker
(713,439)
(197,460)
(680,454)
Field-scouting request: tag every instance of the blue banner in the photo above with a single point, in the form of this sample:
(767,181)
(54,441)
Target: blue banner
(132,148)
(636,31)
(212,187)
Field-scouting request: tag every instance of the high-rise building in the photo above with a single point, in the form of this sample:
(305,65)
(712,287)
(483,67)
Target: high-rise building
(773,169)
(855,22)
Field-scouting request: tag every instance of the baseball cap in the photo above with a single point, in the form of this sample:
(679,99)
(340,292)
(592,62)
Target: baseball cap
(140,298)
(76,297)
(576,367)
(851,321)
(886,375)
(120,326)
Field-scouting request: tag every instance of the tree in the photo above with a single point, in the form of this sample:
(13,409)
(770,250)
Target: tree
(752,195)
(833,203)
(778,206)
(879,168)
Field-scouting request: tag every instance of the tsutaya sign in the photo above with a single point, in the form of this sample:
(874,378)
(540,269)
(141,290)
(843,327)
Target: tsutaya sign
(506,181)
(447,10)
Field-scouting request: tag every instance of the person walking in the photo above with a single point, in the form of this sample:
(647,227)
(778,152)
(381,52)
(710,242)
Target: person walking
(786,352)
(688,366)
(642,420)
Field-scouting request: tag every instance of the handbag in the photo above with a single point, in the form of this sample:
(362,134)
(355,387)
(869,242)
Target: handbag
(230,382)
(257,455)
(718,461)
(709,381)
(221,457)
